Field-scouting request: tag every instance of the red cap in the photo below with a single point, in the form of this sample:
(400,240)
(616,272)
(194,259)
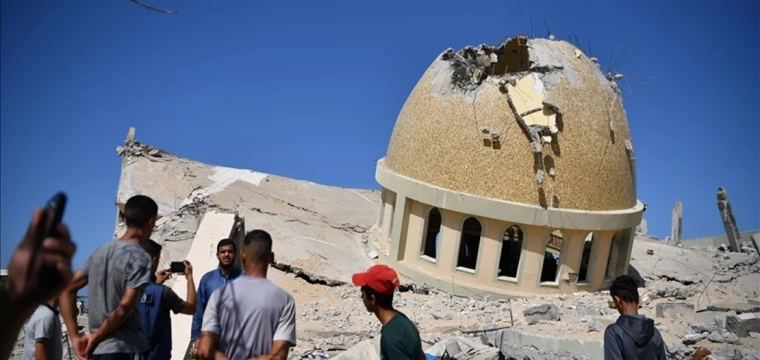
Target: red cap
(380,278)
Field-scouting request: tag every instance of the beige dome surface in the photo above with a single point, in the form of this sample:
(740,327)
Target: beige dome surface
(458,131)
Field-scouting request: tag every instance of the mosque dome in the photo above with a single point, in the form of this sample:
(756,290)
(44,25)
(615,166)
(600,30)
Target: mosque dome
(532,121)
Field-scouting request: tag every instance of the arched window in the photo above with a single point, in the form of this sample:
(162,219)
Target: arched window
(550,269)
(432,232)
(469,244)
(588,244)
(511,249)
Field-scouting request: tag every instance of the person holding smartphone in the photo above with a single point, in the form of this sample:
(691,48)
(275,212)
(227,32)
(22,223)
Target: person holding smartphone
(158,300)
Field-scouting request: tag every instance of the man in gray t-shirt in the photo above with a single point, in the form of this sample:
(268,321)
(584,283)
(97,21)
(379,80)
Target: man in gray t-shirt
(115,276)
(251,316)
(42,335)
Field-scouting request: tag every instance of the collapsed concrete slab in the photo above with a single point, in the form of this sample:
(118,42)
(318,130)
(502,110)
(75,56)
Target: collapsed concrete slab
(317,229)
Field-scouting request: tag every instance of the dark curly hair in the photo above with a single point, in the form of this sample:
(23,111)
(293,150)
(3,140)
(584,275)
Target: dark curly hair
(625,288)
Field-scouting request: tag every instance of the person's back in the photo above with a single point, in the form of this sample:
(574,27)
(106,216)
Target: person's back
(43,333)
(635,336)
(632,336)
(249,314)
(156,322)
(112,269)
(400,337)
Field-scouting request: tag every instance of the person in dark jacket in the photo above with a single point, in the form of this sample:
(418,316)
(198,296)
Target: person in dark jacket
(632,336)
(158,300)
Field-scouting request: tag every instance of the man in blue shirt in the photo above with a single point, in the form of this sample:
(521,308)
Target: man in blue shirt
(158,300)
(212,280)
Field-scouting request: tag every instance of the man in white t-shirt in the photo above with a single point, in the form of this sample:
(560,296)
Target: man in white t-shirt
(250,316)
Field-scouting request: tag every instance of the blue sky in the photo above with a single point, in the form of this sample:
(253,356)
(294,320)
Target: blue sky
(311,90)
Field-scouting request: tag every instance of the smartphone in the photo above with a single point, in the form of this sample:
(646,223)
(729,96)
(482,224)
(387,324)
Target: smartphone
(55,207)
(50,220)
(177,267)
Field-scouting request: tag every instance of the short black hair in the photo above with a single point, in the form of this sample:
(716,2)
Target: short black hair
(259,243)
(152,248)
(139,210)
(385,301)
(625,288)
(226,242)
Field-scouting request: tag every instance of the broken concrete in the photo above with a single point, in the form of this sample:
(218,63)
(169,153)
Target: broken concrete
(729,222)
(546,312)
(675,311)
(743,324)
(676,224)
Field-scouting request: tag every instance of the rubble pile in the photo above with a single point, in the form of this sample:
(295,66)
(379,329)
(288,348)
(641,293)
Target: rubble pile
(689,310)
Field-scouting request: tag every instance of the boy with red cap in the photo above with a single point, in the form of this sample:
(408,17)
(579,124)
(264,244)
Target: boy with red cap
(399,338)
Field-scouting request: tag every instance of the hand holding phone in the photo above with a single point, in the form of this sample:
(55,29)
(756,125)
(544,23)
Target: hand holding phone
(177,267)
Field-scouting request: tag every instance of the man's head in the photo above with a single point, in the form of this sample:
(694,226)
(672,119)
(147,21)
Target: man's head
(377,286)
(140,212)
(257,248)
(154,250)
(225,253)
(625,294)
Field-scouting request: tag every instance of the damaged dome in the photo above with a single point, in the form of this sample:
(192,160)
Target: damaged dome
(495,121)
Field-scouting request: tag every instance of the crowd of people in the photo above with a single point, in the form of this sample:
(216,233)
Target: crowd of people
(237,312)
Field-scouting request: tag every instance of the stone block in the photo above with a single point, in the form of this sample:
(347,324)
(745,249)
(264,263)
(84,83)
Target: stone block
(548,312)
(743,324)
(675,311)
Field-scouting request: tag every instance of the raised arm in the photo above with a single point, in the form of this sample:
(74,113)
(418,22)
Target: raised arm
(190,302)
(68,301)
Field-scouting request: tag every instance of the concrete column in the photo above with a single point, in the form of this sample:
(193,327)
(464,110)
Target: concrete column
(390,203)
(676,223)
(643,228)
(490,246)
(729,222)
(450,231)
(598,267)
(533,255)
(572,251)
(127,141)
(415,230)
(399,229)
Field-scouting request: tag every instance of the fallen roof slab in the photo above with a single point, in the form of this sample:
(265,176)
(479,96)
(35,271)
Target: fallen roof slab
(316,228)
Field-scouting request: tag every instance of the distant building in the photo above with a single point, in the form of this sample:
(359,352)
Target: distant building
(510,171)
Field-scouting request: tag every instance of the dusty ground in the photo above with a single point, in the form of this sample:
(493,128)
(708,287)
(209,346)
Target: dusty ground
(335,318)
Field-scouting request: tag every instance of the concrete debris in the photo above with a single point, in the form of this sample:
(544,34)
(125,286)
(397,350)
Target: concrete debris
(675,310)
(743,324)
(724,337)
(676,223)
(547,312)
(597,326)
(313,354)
(699,328)
(462,348)
(372,254)
(729,222)
(691,339)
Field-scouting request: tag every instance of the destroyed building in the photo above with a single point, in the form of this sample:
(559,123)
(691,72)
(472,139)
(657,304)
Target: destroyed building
(557,187)
(510,171)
